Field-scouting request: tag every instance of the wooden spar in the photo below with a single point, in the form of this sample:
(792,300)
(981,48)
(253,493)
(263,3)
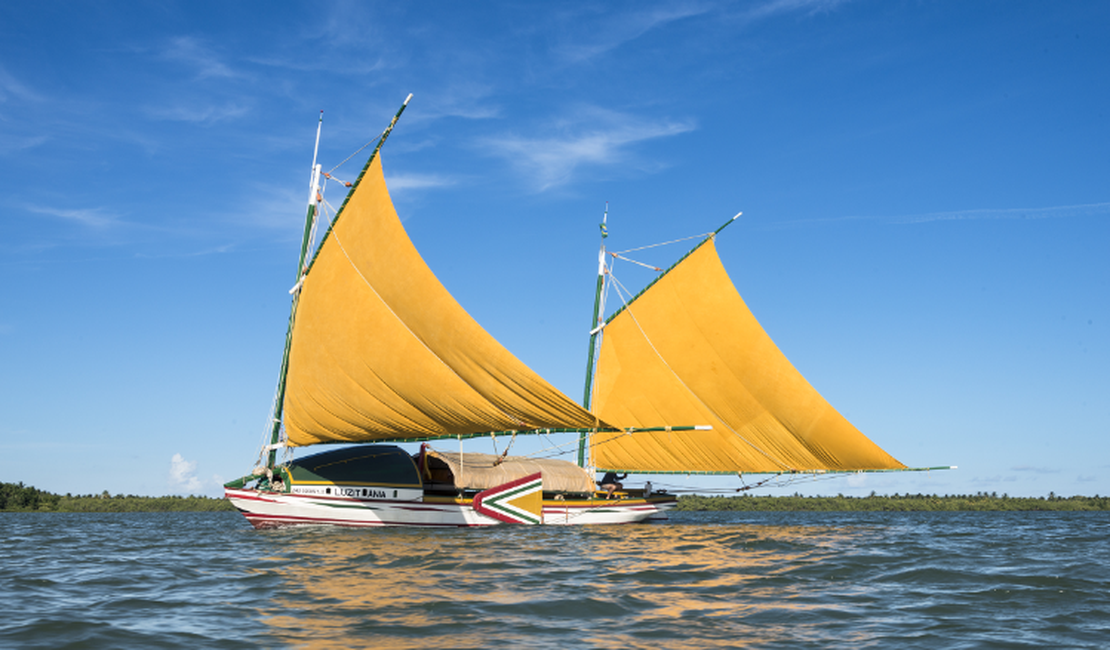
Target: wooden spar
(595,330)
(354,186)
(544,432)
(796,472)
(303,268)
(727,223)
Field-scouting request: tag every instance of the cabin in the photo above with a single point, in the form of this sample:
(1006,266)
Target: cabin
(389,472)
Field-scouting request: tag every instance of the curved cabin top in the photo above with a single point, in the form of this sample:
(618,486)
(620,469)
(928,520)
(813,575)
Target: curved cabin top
(389,466)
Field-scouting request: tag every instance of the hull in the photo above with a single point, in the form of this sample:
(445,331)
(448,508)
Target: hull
(265,509)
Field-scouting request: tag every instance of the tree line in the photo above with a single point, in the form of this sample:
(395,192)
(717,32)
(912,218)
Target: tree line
(981,501)
(24,498)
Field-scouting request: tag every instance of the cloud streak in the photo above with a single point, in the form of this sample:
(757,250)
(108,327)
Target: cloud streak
(775,7)
(1036,470)
(999,214)
(598,137)
(199,114)
(12,88)
(624,29)
(190,52)
(90,217)
(1057,212)
(401,182)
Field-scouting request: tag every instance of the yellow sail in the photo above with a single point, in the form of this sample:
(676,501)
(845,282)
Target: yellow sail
(381,351)
(689,352)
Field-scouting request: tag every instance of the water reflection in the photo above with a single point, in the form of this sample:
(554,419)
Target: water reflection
(630,586)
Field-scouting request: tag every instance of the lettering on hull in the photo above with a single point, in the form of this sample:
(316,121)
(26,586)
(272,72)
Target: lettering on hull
(360,493)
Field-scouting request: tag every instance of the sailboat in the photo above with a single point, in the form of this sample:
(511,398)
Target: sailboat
(379,353)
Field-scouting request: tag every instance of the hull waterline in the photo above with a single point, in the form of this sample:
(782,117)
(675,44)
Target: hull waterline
(264,509)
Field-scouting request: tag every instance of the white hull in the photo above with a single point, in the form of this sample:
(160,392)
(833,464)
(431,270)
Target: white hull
(270,509)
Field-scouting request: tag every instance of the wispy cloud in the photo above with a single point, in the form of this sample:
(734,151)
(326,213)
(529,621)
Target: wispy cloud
(776,7)
(470,101)
(191,52)
(275,206)
(596,137)
(1051,212)
(625,28)
(360,66)
(1035,469)
(402,182)
(12,88)
(199,114)
(89,217)
(347,24)
(10,144)
(1057,212)
(212,250)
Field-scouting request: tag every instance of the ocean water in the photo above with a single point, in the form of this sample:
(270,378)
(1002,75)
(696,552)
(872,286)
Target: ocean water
(701,580)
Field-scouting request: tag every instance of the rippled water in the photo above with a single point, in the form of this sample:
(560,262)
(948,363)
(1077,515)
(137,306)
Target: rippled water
(737,580)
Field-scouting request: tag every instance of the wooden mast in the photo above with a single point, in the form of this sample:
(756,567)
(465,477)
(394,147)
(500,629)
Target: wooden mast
(595,330)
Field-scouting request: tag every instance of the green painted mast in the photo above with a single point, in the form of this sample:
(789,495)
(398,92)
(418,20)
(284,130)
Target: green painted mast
(309,221)
(302,271)
(595,329)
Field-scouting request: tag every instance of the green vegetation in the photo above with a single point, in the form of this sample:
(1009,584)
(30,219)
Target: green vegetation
(897,503)
(20,498)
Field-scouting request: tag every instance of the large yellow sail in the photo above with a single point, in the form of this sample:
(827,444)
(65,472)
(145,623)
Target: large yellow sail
(689,352)
(381,351)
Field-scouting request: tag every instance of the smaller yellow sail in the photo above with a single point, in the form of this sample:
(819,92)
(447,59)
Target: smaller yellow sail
(688,351)
(381,351)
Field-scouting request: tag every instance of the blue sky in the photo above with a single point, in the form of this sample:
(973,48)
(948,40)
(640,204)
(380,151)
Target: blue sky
(924,187)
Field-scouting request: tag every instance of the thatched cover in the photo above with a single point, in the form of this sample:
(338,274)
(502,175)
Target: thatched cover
(479,471)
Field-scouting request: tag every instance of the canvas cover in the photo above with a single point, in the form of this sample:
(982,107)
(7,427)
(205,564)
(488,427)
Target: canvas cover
(483,471)
(381,351)
(689,352)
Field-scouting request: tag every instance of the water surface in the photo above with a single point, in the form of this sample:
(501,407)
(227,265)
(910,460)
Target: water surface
(702,580)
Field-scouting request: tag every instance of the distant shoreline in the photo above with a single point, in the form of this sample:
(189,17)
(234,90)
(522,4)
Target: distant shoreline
(20,498)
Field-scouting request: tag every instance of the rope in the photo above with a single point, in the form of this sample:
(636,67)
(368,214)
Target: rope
(360,149)
(505,454)
(328,175)
(675,241)
(627,259)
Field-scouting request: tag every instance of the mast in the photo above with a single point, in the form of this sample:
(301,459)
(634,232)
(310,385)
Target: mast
(594,332)
(303,265)
(309,221)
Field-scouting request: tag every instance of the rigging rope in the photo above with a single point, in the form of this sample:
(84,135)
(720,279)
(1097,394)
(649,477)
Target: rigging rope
(375,140)
(674,241)
(628,259)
